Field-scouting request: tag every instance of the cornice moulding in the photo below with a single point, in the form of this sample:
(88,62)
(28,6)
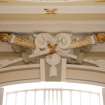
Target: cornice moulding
(52,26)
(20,67)
(19,9)
(59,3)
(84,67)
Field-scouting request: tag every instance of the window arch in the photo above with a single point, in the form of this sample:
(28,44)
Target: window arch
(47,93)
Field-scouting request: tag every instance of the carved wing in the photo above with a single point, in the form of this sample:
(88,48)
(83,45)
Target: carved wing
(100,37)
(89,40)
(5,37)
(17,40)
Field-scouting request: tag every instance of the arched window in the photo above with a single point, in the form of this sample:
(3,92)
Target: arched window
(52,94)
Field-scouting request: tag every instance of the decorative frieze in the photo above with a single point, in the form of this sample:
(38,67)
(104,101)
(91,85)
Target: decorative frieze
(63,40)
(53,48)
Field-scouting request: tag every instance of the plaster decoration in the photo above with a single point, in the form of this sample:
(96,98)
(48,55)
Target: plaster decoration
(16,39)
(12,38)
(75,57)
(82,42)
(25,57)
(96,63)
(46,44)
(53,71)
(42,69)
(42,40)
(19,59)
(100,37)
(80,57)
(16,48)
(53,60)
(50,11)
(62,9)
(64,40)
(34,35)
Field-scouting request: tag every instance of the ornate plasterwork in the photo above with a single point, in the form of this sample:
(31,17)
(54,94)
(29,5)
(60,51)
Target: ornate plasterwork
(53,48)
(52,9)
(53,60)
(42,40)
(64,40)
